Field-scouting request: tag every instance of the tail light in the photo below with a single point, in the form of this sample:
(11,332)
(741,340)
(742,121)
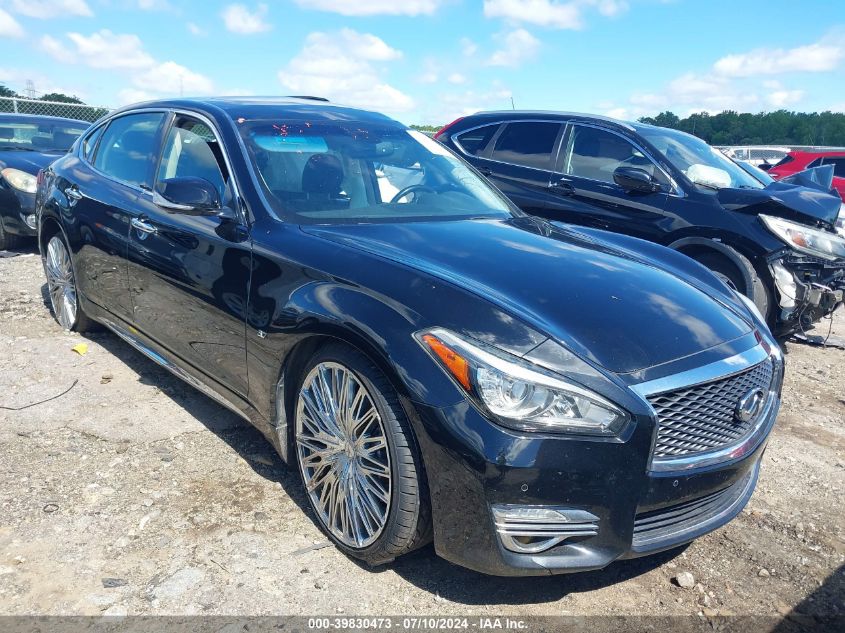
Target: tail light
(443,130)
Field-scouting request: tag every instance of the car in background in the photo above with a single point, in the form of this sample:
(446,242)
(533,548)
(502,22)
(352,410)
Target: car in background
(798,161)
(762,156)
(434,363)
(776,243)
(28,143)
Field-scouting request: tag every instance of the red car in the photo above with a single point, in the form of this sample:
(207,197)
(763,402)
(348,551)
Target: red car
(794,162)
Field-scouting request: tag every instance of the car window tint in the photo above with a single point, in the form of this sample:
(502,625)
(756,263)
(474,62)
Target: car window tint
(815,163)
(838,166)
(596,154)
(192,150)
(127,147)
(474,141)
(529,144)
(89,144)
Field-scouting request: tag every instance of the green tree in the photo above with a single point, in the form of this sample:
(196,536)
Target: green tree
(7,92)
(61,98)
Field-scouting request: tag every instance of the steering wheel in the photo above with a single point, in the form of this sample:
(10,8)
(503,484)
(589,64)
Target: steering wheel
(410,189)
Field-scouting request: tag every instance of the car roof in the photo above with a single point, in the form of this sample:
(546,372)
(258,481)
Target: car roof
(38,118)
(257,108)
(510,115)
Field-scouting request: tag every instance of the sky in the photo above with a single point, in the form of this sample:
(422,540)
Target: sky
(430,61)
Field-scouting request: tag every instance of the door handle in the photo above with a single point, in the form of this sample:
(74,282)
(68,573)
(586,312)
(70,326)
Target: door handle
(142,226)
(562,186)
(74,195)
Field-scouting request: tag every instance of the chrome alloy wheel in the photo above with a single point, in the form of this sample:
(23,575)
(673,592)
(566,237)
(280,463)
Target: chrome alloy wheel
(343,454)
(61,283)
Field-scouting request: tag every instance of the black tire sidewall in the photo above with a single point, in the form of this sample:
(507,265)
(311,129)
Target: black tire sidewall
(395,423)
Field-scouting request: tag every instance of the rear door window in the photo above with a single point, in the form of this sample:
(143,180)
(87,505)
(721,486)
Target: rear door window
(128,148)
(475,141)
(528,143)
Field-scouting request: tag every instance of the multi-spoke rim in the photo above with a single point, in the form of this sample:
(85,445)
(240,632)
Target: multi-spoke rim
(343,455)
(61,283)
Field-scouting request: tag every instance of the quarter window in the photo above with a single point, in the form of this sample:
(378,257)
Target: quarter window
(474,141)
(128,147)
(192,150)
(90,142)
(529,144)
(838,166)
(595,154)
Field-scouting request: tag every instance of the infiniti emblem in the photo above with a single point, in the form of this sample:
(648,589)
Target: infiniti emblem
(749,405)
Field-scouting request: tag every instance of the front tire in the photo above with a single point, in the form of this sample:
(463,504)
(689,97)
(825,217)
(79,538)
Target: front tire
(61,284)
(358,458)
(735,275)
(8,241)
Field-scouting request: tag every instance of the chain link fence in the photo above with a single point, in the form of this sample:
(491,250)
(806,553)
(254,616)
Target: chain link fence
(78,111)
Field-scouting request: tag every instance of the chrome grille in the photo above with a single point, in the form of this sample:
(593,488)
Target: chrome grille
(702,418)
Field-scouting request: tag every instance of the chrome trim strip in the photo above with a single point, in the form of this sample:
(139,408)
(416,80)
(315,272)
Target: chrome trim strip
(719,370)
(172,368)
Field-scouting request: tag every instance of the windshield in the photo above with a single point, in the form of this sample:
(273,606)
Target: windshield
(317,173)
(701,163)
(39,136)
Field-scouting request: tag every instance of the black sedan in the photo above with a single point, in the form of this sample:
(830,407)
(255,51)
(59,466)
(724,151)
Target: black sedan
(27,144)
(435,363)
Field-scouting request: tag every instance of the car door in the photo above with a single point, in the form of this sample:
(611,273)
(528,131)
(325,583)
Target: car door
(587,161)
(520,162)
(101,189)
(189,272)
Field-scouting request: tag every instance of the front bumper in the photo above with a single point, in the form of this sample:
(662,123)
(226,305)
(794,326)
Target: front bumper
(18,212)
(627,508)
(807,288)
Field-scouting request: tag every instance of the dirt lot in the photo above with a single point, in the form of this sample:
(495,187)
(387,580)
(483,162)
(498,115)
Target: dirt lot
(132,493)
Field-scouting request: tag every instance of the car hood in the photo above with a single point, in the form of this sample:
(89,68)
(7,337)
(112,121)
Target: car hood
(30,162)
(603,302)
(804,197)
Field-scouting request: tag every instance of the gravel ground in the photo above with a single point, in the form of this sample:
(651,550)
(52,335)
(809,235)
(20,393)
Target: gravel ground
(133,493)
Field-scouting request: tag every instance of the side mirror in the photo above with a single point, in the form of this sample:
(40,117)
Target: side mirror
(634,179)
(188,195)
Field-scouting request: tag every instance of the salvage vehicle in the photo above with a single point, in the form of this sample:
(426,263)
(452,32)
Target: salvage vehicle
(798,161)
(27,143)
(435,363)
(775,243)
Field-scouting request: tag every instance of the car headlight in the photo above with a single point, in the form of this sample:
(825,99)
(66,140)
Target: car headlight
(20,180)
(518,394)
(840,221)
(805,239)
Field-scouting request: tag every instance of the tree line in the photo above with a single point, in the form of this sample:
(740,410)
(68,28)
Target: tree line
(781,127)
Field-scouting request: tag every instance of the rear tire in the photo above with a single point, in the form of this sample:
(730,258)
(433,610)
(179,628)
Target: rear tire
(61,284)
(358,458)
(735,274)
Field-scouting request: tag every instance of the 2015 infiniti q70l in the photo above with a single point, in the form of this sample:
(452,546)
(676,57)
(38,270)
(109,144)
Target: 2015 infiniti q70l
(435,363)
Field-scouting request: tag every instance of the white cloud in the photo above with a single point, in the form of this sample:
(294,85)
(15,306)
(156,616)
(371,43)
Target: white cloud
(45,9)
(155,5)
(196,29)
(18,77)
(782,98)
(172,78)
(517,47)
(132,95)
(374,7)
(239,19)
(102,49)
(456,79)
(451,105)
(9,27)
(468,47)
(819,57)
(552,13)
(340,66)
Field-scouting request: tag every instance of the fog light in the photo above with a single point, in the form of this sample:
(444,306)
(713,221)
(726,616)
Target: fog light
(535,529)
(30,220)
